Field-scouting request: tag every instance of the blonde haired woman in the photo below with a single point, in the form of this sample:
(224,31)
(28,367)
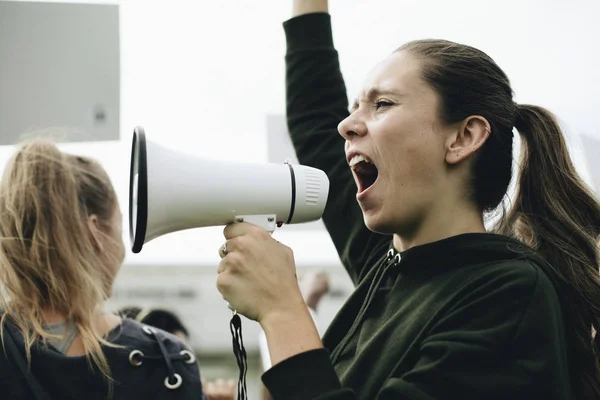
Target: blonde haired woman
(60,250)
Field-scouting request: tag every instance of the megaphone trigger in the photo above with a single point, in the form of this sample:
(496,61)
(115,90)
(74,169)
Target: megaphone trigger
(265,221)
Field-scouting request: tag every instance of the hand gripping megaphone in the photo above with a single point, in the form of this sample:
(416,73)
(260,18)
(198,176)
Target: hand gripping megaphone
(171,191)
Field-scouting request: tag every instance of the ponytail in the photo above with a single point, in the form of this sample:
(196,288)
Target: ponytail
(555,213)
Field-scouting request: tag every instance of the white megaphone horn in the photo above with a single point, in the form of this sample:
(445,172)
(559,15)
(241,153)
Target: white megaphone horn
(171,191)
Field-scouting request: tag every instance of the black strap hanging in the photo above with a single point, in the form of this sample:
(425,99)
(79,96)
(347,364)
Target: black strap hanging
(240,354)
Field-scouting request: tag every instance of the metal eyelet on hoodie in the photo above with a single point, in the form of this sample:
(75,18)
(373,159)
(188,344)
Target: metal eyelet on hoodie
(175,385)
(148,330)
(191,358)
(173,380)
(132,358)
(393,257)
(390,254)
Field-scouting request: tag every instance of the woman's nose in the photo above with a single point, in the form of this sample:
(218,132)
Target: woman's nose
(351,127)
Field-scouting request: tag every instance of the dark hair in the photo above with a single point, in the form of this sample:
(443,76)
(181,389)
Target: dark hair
(554,212)
(129,312)
(158,318)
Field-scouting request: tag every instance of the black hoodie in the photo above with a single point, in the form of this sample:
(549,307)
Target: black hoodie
(140,375)
(474,316)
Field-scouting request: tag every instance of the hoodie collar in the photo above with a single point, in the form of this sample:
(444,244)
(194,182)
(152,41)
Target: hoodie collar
(460,250)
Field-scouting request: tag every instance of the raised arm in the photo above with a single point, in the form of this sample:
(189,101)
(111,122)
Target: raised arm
(316,104)
(302,7)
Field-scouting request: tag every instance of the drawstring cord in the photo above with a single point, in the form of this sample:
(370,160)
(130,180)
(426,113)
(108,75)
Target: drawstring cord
(392,260)
(173,379)
(240,354)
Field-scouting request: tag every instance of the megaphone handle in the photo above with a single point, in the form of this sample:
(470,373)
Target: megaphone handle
(268,222)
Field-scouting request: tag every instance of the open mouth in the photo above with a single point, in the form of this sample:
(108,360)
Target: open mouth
(365,171)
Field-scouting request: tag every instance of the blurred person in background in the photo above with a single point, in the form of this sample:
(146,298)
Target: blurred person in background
(163,319)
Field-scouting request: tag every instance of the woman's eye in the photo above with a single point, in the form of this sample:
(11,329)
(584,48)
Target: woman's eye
(382,103)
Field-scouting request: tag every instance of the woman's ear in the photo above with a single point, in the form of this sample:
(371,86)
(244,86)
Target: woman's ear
(95,233)
(470,136)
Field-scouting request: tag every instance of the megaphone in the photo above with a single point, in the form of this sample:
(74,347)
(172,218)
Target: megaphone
(171,191)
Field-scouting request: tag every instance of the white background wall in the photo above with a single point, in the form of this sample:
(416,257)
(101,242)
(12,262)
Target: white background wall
(201,76)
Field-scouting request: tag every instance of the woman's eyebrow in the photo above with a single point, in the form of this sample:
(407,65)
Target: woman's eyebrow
(372,93)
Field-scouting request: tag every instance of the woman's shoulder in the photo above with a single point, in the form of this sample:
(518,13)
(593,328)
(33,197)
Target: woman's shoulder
(524,276)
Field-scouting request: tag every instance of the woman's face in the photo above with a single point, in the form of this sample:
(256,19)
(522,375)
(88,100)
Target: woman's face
(396,147)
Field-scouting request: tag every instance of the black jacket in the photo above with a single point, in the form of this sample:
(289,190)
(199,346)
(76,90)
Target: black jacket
(139,368)
(475,316)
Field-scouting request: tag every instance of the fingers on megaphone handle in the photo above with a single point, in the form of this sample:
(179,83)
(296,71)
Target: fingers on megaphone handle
(221,268)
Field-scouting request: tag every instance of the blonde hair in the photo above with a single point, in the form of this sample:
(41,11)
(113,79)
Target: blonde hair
(47,257)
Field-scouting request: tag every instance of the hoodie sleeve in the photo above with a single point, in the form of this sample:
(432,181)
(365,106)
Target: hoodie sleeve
(316,104)
(308,375)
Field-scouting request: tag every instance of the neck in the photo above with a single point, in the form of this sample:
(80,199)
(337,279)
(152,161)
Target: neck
(51,316)
(438,225)
(102,322)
